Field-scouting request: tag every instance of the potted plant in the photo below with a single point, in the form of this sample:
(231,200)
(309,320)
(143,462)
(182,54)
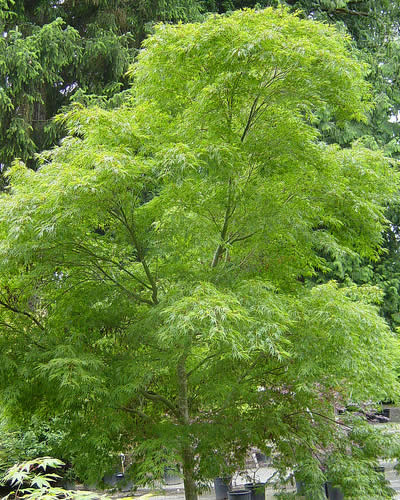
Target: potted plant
(307,483)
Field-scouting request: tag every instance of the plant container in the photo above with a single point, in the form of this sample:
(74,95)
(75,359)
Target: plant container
(257,490)
(301,487)
(221,486)
(113,479)
(172,476)
(261,458)
(334,493)
(239,495)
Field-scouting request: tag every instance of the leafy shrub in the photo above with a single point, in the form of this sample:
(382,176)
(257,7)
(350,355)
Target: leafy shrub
(30,481)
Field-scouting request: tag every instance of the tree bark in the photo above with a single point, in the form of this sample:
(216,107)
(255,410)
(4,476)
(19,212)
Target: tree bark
(188,458)
(188,463)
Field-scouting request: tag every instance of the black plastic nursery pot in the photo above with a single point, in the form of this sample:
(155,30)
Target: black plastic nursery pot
(221,486)
(380,470)
(261,458)
(257,490)
(117,480)
(334,493)
(239,495)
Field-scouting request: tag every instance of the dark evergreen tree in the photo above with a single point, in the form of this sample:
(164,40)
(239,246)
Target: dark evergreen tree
(53,52)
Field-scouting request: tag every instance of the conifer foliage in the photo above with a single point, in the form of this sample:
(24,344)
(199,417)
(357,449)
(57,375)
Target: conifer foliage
(152,290)
(52,52)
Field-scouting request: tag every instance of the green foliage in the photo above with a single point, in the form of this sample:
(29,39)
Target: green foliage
(152,271)
(40,437)
(373,27)
(30,481)
(52,52)
(29,66)
(346,472)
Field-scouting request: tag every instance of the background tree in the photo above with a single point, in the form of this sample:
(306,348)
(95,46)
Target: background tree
(152,291)
(52,52)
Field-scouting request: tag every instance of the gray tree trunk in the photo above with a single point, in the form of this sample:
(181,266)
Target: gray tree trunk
(188,458)
(188,473)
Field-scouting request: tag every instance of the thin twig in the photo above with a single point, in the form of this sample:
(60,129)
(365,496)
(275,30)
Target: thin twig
(202,363)
(129,292)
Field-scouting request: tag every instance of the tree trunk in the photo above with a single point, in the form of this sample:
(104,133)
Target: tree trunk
(188,458)
(188,473)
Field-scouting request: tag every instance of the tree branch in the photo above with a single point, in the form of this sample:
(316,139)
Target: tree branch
(255,107)
(290,197)
(140,254)
(29,339)
(25,313)
(7,325)
(202,362)
(228,214)
(111,261)
(351,12)
(54,300)
(241,238)
(129,292)
(249,119)
(183,399)
(136,412)
(336,422)
(213,218)
(160,399)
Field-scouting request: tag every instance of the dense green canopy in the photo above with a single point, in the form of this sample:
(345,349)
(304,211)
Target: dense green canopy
(152,270)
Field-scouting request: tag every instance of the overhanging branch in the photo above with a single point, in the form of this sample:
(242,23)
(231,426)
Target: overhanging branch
(350,12)
(24,313)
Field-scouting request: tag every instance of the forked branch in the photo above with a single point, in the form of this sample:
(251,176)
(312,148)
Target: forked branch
(120,215)
(151,396)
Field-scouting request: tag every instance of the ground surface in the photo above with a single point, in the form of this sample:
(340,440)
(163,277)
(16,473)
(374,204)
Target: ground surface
(175,492)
